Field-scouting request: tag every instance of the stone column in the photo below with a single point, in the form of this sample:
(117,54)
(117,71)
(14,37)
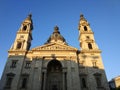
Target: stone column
(63,76)
(64,82)
(44,83)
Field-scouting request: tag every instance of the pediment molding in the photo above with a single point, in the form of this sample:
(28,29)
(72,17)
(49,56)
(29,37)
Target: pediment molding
(54,46)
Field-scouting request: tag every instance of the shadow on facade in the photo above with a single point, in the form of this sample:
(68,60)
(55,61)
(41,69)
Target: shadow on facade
(51,74)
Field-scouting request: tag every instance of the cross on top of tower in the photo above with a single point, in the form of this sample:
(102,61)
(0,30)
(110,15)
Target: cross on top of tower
(82,17)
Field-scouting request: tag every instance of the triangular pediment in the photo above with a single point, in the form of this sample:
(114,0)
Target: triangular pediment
(54,46)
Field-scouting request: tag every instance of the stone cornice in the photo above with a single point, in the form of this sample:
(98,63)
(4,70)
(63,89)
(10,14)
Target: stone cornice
(86,33)
(90,51)
(16,51)
(21,32)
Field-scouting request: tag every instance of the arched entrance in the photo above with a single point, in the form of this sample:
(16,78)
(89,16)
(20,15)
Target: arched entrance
(54,75)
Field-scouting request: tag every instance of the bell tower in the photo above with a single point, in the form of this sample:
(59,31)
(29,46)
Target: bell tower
(24,35)
(86,36)
(90,53)
(90,59)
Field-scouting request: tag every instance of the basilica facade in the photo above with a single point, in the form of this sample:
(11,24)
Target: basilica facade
(54,65)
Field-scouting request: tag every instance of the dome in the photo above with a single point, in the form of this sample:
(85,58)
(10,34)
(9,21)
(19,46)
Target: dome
(56,37)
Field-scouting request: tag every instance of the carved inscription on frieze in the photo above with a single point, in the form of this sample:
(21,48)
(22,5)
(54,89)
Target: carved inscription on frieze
(54,47)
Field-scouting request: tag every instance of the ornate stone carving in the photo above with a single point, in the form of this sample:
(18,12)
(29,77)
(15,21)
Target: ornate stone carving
(54,47)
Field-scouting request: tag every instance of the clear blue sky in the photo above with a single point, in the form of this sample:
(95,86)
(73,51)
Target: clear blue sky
(103,16)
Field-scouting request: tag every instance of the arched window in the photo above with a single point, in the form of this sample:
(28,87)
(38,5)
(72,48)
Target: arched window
(13,65)
(85,28)
(83,83)
(19,44)
(24,27)
(89,45)
(9,80)
(98,79)
(24,82)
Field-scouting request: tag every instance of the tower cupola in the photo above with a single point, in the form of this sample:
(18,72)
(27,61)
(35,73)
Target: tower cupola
(27,24)
(24,35)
